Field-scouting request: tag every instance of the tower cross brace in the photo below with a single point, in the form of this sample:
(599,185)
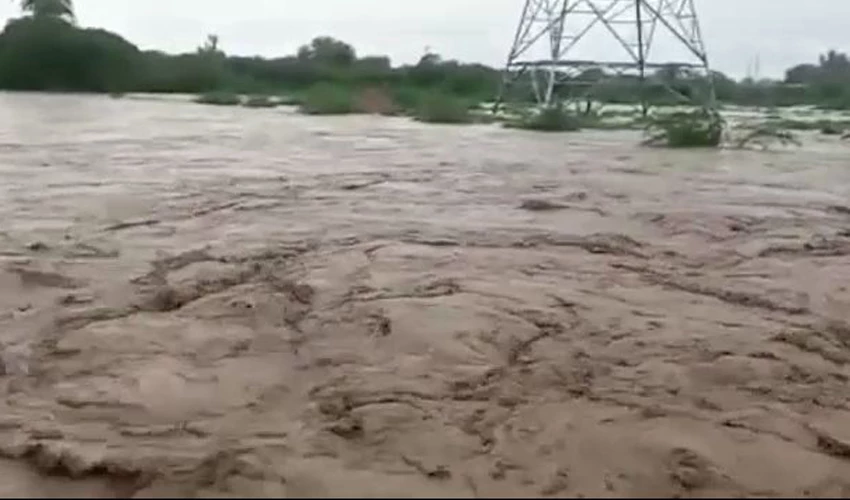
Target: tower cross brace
(550,32)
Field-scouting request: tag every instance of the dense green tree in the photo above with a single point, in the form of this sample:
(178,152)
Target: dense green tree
(46,53)
(327,51)
(832,66)
(62,9)
(802,73)
(211,45)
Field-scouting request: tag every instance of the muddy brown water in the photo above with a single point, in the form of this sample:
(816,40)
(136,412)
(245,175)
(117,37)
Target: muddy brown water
(210,301)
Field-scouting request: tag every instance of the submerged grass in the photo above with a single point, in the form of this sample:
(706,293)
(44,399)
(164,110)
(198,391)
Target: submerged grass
(219,98)
(694,128)
(260,101)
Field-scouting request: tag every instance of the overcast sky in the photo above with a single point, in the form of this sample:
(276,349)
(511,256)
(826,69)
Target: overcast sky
(780,32)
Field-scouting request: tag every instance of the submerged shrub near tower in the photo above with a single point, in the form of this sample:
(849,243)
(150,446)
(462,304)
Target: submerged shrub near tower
(701,128)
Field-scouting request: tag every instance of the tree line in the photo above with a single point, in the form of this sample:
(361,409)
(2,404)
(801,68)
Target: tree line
(45,50)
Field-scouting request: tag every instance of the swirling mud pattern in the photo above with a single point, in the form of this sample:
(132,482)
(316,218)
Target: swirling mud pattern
(198,301)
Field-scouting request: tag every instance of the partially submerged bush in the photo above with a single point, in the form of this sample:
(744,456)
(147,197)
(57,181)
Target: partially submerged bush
(834,127)
(327,99)
(437,107)
(407,99)
(377,101)
(701,128)
(831,129)
(551,119)
(219,99)
(260,101)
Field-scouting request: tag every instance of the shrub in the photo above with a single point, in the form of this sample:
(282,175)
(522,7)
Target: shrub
(437,107)
(327,99)
(407,99)
(551,119)
(219,99)
(831,129)
(694,129)
(374,100)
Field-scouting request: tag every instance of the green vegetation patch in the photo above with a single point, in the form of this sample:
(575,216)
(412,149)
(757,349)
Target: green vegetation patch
(440,107)
(328,99)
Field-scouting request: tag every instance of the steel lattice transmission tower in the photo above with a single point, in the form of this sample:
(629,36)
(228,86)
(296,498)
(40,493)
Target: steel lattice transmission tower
(578,43)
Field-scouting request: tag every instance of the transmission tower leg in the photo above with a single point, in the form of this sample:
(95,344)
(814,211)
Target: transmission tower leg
(508,75)
(541,21)
(679,17)
(641,54)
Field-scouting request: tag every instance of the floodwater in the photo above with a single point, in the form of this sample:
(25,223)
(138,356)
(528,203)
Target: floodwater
(207,301)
